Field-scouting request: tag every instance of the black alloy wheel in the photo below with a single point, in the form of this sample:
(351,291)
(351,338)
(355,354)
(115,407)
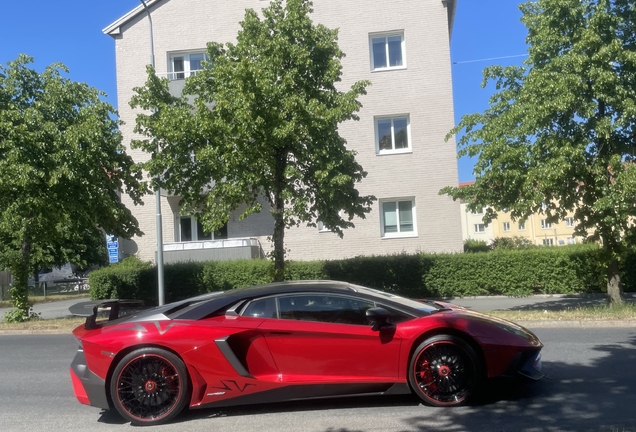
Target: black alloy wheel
(149,386)
(444,371)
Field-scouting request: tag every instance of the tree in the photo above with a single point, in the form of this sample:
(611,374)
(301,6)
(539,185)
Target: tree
(61,167)
(265,123)
(560,132)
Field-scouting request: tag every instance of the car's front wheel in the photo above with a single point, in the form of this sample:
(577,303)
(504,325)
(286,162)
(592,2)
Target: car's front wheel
(149,386)
(444,371)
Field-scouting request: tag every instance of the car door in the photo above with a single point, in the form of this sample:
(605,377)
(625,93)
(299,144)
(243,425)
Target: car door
(326,338)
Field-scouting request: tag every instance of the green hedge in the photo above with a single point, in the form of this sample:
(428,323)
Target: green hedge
(130,279)
(516,272)
(558,270)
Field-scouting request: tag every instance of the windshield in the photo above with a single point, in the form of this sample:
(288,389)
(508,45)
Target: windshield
(428,306)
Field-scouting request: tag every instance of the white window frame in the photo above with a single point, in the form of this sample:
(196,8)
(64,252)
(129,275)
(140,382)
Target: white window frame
(545,224)
(548,242)
(193,227)
(321,226)
(393,150)
(398,234)
(506,226)
(521,226)
(480,228)
(478,212)
(571,240)
(569,222)
(386,35)
(187,70)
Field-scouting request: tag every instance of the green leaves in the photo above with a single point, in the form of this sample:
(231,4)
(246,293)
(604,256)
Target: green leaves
(561,130)
(62,167)
(264,123)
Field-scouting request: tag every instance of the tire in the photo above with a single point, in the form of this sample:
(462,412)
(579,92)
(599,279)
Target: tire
(149,386)
(444,371)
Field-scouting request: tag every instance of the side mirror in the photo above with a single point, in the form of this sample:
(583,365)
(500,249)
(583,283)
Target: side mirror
(378,316)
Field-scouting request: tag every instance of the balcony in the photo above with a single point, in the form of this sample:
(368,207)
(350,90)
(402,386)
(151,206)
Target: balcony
(213,250)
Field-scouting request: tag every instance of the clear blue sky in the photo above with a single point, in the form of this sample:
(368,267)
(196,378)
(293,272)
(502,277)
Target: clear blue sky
(70,31)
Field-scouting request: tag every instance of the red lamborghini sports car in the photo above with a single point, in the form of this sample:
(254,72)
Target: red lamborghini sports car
(290,340)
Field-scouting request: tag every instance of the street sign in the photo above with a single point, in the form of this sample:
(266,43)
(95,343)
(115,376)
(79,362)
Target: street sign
(112,244)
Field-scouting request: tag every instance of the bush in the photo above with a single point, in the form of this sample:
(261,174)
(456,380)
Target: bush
(129,279)
(512,243)
(227,275)
(398,273)
(562,270)
(472,246)
(183,280)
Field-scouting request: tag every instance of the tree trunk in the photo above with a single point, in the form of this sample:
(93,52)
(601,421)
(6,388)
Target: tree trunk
(20,290)
(614,288)
(279,217)
(279,246)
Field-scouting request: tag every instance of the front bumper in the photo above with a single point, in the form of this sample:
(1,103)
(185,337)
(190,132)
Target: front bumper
(89,388)
(527,364)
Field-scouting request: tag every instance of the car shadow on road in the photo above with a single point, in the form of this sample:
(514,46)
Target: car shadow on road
(599,395)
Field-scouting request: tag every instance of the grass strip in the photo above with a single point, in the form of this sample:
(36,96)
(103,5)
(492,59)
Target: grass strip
(624,311)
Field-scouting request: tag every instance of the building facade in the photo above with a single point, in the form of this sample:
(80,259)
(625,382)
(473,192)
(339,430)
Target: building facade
(404,50)
(535,229)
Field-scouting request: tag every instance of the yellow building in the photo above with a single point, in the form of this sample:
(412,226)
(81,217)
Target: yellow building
(536,228)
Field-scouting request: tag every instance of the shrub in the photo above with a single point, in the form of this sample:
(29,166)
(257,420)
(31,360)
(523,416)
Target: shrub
(564,270)
(129,279)
(472,246)
(226,275)
(515,242)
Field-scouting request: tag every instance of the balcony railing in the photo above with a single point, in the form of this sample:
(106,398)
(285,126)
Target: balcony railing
(213,250)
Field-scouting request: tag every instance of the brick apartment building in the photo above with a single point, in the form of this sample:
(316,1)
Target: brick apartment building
(404,50)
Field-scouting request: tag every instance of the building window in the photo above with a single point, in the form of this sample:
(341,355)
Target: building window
(480,228)
(545,224)
(548,242)
(506,226)
(571,240)
(191,229)
(569,222)
(392,135)
(478,211)
(387,51)
(522,226)
(398,218)
(323,228)
(183,65)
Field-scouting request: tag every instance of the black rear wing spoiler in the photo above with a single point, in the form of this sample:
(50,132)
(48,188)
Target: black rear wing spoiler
(90,309)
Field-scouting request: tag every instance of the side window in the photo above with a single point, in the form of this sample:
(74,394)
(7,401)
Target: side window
(324,308)
(263,308)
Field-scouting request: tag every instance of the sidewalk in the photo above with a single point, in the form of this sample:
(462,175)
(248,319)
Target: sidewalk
(549,302)
(52,310)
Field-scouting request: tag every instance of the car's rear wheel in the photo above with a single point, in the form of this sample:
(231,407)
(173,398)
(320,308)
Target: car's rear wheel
(444,371)
(149,386)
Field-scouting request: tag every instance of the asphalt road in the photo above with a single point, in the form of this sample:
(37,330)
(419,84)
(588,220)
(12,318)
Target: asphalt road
(591,387)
